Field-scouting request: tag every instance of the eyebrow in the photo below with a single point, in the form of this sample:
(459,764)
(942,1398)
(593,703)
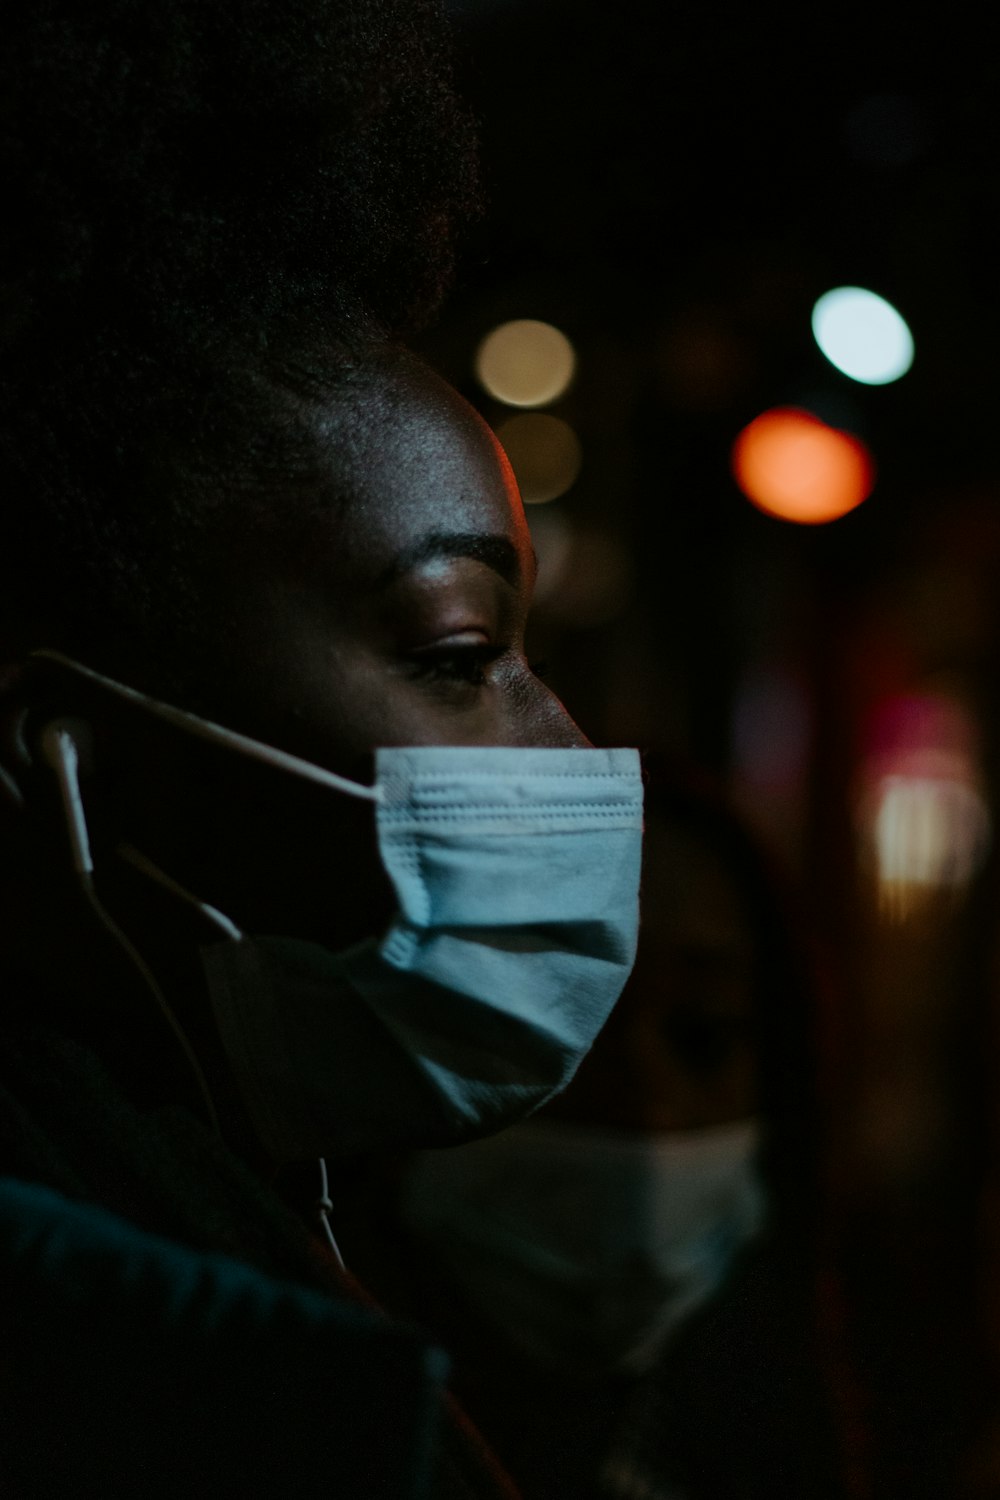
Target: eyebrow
(495,551)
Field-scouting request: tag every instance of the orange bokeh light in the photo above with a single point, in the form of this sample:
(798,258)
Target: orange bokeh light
(792,465)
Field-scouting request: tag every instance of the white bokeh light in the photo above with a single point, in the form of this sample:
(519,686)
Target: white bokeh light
(862,335)
(526,363)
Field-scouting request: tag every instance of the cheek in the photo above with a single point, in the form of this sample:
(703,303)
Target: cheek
(329,704)
(325,879)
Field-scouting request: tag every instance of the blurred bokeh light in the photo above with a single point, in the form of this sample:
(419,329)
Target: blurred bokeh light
(923,820)
(862,335)
(525,363)
(792,465)
(544,452)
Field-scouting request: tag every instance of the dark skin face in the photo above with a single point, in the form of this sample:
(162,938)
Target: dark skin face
(399,620)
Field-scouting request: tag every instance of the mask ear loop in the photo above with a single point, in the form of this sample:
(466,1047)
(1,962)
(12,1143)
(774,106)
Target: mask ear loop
(217,734)
(59,749)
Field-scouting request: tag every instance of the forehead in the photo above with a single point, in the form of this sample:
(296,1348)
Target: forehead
(416,461)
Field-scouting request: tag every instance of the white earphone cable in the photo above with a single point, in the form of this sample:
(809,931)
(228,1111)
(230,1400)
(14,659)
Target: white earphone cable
(60,751)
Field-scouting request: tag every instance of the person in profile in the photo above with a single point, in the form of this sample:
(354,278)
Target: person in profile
(286,819)
(633,1280)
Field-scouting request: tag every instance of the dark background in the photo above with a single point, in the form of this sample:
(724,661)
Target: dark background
(674,186)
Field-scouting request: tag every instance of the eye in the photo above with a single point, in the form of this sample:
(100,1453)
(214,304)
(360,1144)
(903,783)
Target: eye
(455,663)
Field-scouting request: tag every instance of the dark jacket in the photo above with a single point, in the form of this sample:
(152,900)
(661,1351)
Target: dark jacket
(170,1325)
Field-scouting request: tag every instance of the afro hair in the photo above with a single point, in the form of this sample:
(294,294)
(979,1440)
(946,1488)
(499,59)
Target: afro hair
(201,196)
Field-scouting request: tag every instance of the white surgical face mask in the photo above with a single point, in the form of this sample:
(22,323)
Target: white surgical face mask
(586,1249)
(516,872)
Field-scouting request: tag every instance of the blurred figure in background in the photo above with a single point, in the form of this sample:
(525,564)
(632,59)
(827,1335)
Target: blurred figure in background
(631,1282)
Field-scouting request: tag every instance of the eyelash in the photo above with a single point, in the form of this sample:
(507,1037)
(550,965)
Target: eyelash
(466,664)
